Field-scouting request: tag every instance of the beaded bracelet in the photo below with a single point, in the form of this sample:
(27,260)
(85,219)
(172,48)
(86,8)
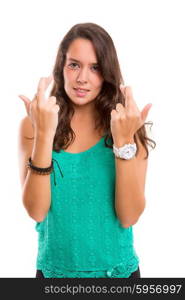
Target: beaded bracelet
(41,171)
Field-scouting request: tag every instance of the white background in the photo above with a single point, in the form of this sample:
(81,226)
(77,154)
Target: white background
(149,38)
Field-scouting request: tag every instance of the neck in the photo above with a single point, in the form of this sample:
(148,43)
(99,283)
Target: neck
(83,123)
(84,117)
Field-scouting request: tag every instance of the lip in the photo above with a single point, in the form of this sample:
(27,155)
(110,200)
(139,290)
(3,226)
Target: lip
(80,93)
(85,90)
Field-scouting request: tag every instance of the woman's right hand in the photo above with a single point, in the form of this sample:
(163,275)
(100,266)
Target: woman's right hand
(42,112)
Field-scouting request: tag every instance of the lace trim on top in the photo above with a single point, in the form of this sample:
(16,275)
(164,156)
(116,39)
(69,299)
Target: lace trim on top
(121,270)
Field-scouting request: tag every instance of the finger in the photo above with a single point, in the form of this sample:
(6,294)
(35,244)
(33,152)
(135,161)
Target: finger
(42,86)
(26,102)
(120,109)
(24,98)
(115,114)
(130,102)
(56,108)
(145,111)
(52,101)
(49,79)
(123,89)
(51,76)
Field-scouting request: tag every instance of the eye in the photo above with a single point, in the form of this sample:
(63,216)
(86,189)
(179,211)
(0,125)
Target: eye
(72,65)
(96,68)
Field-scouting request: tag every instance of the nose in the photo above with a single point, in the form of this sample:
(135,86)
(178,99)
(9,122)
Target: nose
(82,76)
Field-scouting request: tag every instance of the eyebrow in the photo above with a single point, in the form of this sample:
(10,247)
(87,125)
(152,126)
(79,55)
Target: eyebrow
(73,59)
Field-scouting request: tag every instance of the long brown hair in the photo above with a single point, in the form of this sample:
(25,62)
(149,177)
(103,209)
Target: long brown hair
(109,95)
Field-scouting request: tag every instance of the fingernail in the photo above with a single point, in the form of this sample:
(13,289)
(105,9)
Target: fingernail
(121,86)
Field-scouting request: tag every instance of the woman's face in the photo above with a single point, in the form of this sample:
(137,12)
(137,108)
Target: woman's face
(81,71)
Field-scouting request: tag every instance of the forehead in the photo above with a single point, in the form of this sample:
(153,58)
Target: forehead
(82,50)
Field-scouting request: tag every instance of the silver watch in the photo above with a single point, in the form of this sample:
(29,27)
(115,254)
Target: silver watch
(128,151)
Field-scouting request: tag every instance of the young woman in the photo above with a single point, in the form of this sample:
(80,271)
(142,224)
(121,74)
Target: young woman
(83,161)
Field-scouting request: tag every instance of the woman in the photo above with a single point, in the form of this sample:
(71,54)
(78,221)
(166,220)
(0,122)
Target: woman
(86,208)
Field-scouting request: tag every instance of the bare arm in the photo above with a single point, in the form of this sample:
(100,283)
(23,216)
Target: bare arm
(130,187)
(36,194)
(41,123)
(130,174)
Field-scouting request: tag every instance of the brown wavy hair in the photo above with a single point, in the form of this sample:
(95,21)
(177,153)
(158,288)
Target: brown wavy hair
(109,95)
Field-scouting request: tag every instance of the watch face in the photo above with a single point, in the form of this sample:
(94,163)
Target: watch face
(128,152)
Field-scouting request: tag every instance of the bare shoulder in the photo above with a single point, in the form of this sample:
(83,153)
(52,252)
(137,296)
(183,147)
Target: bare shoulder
(25,145)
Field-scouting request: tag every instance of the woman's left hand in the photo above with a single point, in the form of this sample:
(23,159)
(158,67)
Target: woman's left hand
(125,121)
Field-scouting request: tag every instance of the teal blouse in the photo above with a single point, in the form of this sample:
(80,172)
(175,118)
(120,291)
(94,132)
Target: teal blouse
(81,235)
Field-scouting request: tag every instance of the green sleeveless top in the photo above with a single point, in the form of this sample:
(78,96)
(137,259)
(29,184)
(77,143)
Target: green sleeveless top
(81,235)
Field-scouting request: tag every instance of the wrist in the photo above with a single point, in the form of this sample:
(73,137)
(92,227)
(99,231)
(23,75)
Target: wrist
(125,149)
(122,142)
(44,137)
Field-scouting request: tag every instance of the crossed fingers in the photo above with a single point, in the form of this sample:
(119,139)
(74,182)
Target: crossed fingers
(130,104)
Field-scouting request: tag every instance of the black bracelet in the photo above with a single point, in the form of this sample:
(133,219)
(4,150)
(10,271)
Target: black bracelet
(38,170)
